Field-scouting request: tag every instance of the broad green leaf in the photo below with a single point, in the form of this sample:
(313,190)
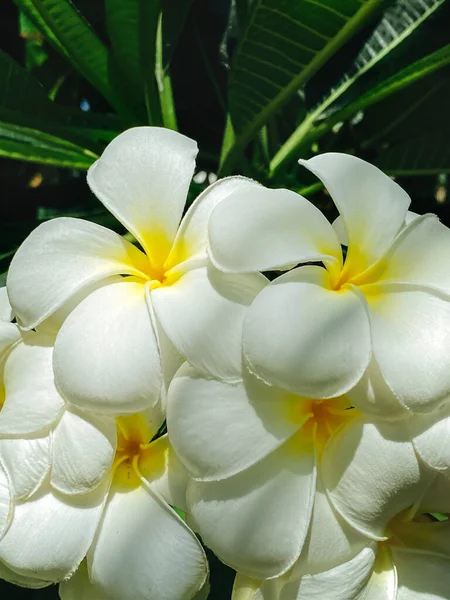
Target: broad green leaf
(397,40)
(59,20)
(24,143)
(22,94)
(175,14)
(282,46)
(424,155)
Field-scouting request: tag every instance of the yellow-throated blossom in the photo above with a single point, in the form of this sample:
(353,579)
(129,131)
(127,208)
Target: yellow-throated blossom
(133,307)
(90,490)
(412,563)
(378,320)
(256,453)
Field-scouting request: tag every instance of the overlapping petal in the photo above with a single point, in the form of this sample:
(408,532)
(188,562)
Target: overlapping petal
(301,335)
(421,575)
(143,177)
(410,336)
(79,587)
(6,314)
(371,474)
(257,520)
(27,461)
(219,428)
(50,534)
(32,401)
(371,205)
(202,314)
(60,258)
(258,229)
(83,448)
(106,354)
(344,582)
(144,550)
(192,236)
(419,256)
(6,505)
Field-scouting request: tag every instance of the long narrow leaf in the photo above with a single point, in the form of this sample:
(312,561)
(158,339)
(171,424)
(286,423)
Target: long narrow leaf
(24,143)
(282,47)
(73,37)
(400,22)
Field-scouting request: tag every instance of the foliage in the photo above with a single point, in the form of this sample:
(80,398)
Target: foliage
(258,84)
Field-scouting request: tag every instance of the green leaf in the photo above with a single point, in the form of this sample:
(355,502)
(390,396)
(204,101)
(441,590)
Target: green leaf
(71,35)
(424,155)
(396,40)
(175,14)
(283,45)
(22,94)
(24,143)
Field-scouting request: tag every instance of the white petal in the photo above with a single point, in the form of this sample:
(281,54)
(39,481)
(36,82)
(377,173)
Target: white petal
(420,255)
(144,550)
(83,446)
(6,314)
(106,354)
(50,534)
(431,536)
(32,401)
(371,474)
(27,462)
(27,582)
(9,335)
(60,258)
(344,582)
(339,227)
(411,337)
(202,314)
(257,229)
(192,236)
(373,396)
(6,505)
(257,520)
(302,336)
(78,587)
(421,575)
(383,584)
(238,423)
(433,430)
(372,206)
(171,478)
(328,530)
(143,178)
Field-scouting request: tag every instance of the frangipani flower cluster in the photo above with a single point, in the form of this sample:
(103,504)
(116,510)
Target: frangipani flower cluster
(161,394)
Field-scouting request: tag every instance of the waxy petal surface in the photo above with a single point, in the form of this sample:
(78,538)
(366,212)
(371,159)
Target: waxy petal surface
(143,178)
(303,336)
(202,314)
(60,258)
(371,205)
(106,355)
(238,423)
(144,550)
(257,520)
(258,229)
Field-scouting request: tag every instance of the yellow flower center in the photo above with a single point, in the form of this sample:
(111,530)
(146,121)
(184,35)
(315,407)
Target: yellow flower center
(319,420)
(137,456)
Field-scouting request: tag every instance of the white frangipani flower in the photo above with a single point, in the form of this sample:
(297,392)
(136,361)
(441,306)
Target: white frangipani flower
(113,350)
(380,319)
(411,564)
(255,453)
(124,526)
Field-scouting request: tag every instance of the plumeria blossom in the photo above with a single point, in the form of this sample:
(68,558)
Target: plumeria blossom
(134,310)
(94,487)
(375,325)
(340,564)
(255,453)
(74,484)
